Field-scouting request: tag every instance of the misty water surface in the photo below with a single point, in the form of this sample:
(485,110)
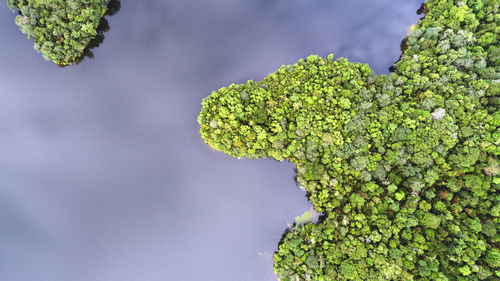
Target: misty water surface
(103,174)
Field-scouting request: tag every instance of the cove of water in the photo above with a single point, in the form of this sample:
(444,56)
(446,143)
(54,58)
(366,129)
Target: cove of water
(103,174)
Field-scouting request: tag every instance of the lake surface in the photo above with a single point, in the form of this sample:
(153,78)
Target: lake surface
(103,174)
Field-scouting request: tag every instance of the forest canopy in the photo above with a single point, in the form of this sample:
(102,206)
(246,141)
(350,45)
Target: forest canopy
(62,29)
(404,166)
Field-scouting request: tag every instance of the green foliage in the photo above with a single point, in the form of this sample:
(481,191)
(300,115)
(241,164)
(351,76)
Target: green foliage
(403,166)
(493,258)
(62,29)
(305,217)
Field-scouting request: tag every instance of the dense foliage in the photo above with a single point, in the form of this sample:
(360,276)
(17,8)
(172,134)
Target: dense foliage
(404,166)
(62,29)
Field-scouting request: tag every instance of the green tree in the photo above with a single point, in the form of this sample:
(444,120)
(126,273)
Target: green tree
(403,166)
(63,31)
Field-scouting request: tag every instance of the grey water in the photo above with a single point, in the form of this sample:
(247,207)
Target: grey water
(103,174)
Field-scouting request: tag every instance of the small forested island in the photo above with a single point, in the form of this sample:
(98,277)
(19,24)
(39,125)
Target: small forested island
(62,29)
(404,166)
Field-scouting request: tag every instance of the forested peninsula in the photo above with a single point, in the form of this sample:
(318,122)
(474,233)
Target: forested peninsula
(404,166)
(63,30)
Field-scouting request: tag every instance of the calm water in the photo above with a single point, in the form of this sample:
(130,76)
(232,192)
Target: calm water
(103,174)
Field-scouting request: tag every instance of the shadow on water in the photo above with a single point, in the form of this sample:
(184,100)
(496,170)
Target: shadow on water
(114,7)
(423,10)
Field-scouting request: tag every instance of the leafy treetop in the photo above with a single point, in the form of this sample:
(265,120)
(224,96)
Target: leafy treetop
(62,29)
(403,166)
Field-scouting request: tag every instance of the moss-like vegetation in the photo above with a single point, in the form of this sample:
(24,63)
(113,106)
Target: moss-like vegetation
(63,30)
(403,166)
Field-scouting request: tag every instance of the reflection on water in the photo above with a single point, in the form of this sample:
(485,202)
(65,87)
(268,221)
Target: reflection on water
(103,174)
(308,216)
